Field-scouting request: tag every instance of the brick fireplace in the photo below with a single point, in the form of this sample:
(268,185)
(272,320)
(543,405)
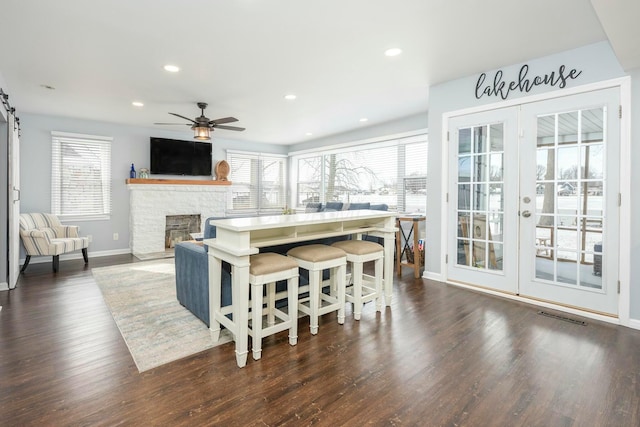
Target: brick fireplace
(150,204)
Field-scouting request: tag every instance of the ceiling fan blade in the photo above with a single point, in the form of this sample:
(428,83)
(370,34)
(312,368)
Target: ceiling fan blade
(181,124)
(228,127)
(183,117)
(223,120)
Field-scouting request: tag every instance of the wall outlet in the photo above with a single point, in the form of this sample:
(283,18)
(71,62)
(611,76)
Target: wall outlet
(115,236)
(90,237)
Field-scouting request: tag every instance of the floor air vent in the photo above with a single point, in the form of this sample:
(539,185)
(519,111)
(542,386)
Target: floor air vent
(566,319)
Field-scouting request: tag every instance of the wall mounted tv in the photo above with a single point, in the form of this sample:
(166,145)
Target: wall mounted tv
(177,157)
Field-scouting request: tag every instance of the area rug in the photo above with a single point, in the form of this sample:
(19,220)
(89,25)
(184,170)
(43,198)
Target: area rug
(156,328)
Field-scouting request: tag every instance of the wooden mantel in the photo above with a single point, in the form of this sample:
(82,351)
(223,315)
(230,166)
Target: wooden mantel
(175,181)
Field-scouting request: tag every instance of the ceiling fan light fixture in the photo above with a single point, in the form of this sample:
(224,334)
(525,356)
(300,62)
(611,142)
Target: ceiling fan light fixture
(201,133)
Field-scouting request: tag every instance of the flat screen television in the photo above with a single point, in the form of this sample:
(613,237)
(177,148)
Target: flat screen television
(177,157)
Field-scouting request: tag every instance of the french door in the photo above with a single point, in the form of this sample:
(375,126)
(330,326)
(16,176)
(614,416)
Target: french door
(483,165)
(535,200)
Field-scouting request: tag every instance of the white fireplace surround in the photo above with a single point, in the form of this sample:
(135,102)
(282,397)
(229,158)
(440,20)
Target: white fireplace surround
(151,203)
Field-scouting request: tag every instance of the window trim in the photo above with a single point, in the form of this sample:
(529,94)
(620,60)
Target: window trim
(260,210)
(56,171)
(395,140)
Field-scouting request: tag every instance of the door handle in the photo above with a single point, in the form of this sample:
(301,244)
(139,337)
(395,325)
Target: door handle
(526,214)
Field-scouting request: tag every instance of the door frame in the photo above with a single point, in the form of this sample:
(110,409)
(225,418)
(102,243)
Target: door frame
(624,242)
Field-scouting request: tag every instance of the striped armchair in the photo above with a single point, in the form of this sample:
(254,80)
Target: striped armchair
(43,234)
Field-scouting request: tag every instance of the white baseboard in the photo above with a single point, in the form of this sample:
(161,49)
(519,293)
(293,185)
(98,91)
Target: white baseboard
(634,323)
(432,276)
(4,286)
(77,255)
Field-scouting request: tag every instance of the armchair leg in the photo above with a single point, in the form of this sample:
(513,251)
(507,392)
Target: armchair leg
(56,263)
(26,263)
(85,255)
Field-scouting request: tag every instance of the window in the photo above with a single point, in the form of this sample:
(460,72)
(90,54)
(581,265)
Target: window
(392,172)
(259,182)
(80,176)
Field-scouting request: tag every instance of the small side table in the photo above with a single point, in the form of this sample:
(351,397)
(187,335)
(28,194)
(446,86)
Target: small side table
(412,256)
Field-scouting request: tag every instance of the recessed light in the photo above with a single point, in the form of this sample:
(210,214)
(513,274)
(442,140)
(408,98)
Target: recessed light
(137,104)
(290,97)
(308,134)
(364,119)
(393,52)
(171,68)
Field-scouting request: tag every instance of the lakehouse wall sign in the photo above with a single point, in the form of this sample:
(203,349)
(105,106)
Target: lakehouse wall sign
(523,84)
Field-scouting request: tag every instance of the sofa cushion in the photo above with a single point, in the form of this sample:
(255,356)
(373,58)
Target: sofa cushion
(333,206)
(313,207)
(380,207)
(359,205)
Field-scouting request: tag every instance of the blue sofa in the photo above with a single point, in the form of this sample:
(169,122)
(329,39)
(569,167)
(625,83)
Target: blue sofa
(192,276)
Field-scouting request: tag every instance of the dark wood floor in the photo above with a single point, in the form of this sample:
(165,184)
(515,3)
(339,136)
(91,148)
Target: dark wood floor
(439,356)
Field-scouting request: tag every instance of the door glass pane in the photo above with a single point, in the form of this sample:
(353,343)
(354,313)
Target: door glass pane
(480,168)
(496,197)
(546,161)
(496,136)
(464,141)
(464,196)
(546,130)
(592,125)
(495,251)
(592,161)
(570,190)
(567,238)
(567,270)
(496,222)
(479,197)
(568,163)
(480,139)
(495,167)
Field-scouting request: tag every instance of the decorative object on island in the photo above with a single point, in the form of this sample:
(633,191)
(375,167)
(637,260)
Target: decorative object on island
(144,173)
(202,126)
(222,170)
(132,172)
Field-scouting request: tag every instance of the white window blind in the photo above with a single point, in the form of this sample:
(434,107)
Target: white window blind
(393,172)
(80,176)
(259,182)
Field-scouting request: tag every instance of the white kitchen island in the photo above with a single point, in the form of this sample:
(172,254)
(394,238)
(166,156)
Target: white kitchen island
(238,238)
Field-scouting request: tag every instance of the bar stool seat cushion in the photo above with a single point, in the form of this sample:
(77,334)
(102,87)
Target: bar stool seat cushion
(358,247)
(316,253)
(267,263)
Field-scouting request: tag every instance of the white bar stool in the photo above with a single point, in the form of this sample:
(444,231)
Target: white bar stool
(316,258)
(266,269)
(358,252)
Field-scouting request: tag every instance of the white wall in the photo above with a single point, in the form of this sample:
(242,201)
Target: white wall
(635,201)
(4,196)
(598,63)
(130,145)
(4,202)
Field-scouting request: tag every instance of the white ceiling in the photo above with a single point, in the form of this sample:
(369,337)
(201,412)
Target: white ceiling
(243,56)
